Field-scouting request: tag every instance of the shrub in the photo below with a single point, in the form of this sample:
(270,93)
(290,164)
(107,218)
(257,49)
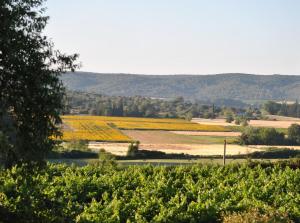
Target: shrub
(255,215)
(133,149)
(269,136)
(262,136)
(237,121)
(294,134)
(244,122)
(229,117)
(81,145)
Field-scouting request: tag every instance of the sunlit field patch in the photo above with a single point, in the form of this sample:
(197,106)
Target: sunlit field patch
(103,128)
(92,130)
(149,123)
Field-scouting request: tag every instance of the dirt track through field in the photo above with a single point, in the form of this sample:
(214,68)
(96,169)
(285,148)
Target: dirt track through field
(197,133)
(180,137)
(159,137)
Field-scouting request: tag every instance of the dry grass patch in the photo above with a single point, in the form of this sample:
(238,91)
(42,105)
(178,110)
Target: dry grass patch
(256,123)
(198,133)
(191,149)
(200,149)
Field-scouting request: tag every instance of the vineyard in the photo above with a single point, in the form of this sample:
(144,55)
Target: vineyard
(103,128)
(100,193)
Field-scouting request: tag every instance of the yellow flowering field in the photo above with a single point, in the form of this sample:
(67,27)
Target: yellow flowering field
(124,119)
(171,126)
(91,130)
(103,128)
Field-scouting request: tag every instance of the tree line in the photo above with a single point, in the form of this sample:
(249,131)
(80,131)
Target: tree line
(137,106)
(270,136)
(284,108)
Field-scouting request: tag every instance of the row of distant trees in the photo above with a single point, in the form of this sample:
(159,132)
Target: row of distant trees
(243,116)
(271,136)
(138,106)
(285,109)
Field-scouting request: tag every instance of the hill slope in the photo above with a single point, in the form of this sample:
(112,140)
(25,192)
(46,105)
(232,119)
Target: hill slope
(202,87)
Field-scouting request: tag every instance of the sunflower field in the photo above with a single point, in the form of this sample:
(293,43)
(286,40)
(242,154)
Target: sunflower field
(104,128)
(91,130)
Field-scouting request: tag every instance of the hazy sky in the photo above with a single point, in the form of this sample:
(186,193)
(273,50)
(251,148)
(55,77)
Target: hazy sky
(179,36)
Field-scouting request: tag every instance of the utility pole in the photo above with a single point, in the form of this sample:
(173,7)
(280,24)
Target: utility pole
(224,155)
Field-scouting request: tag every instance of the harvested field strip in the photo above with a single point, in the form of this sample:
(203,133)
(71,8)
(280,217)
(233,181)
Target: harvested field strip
(282,118)
(255,123)
(168,126)
(191,149)
(213,149)
(199,133)
(161,137)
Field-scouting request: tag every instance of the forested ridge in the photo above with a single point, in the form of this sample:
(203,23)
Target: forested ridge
(199,87)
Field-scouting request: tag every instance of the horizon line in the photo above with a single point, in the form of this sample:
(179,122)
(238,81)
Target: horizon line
(186,74)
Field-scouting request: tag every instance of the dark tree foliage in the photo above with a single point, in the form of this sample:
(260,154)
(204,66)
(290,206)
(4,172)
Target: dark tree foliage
(294,134)
(262,136)
(30,90)
(133,149)
(285,109)
(137,106)
(229,117)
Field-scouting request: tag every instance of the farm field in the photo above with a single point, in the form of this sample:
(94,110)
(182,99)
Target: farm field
(197,133)
(115,133)
(282,123)
(282,118)
(147,123)
(189,126)
(200,149)
(168,137)
(191,149)
(103,128)
(91,130)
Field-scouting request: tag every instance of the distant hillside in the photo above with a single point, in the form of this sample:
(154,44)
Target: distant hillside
(201,87)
